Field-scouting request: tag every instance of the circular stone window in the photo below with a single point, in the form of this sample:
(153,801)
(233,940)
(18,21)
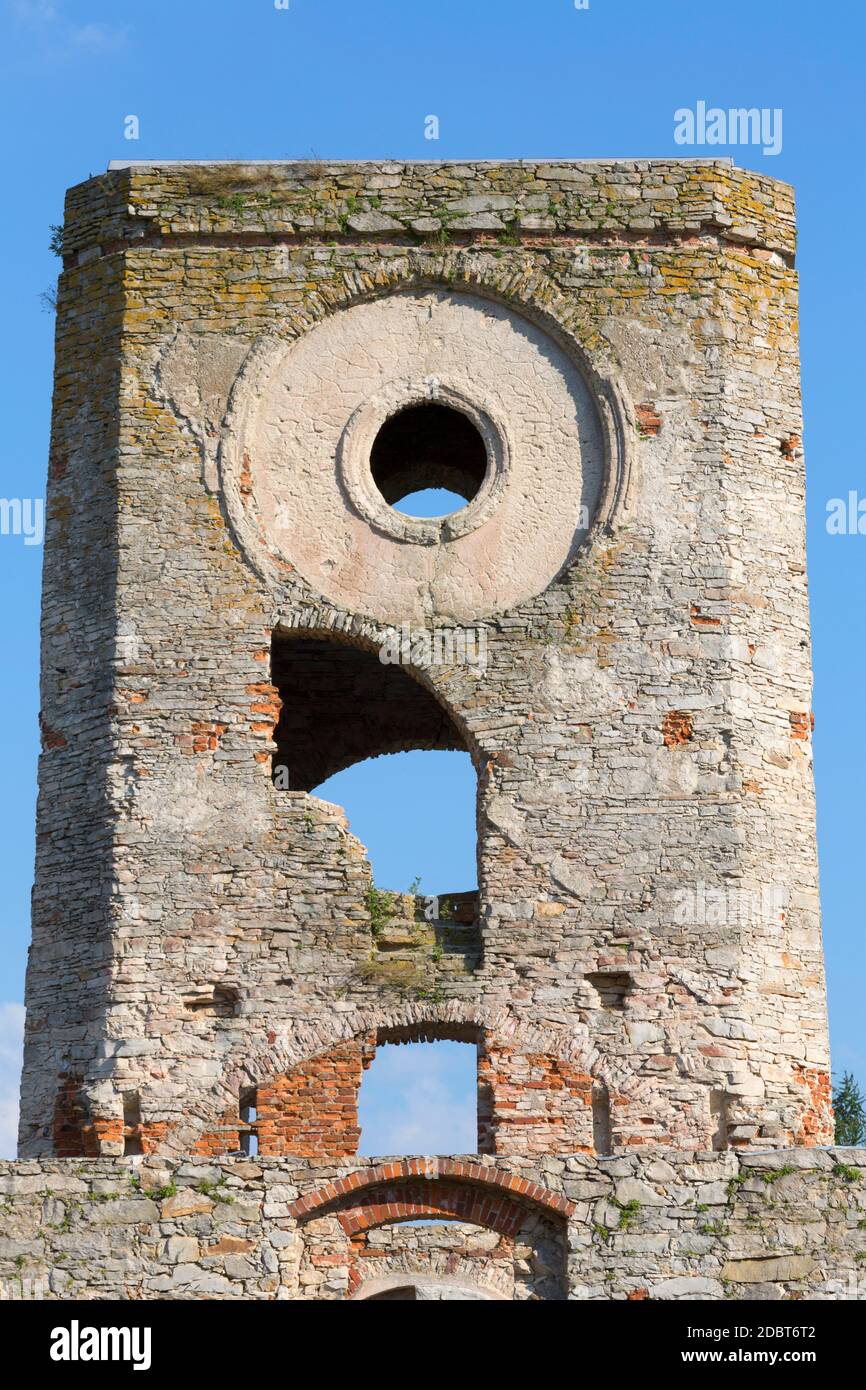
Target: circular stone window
(333,435)
(422,462)
(428,460)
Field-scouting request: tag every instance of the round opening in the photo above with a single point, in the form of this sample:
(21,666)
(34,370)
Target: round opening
(430,459)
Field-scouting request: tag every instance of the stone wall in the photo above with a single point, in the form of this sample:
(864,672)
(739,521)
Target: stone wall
(623,337)
(782,1225)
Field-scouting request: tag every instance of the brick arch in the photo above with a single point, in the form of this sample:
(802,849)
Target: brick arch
(325,1062)
(414,1018)
(420,1020)
(328,1063)
(418,1188)
(421,1201)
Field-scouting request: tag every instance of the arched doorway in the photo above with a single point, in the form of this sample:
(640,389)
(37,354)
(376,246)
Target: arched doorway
(423,1289)
(422,1230)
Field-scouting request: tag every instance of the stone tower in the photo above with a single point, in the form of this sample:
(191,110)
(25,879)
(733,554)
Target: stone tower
(254,363)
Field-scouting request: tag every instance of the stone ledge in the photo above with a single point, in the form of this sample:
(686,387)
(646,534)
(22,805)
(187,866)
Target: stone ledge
(668,198)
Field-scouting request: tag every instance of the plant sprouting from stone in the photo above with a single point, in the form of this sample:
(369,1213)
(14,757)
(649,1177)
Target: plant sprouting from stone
(381,906)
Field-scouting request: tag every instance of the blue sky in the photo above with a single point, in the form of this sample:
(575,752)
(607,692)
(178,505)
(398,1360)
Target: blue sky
(240,78)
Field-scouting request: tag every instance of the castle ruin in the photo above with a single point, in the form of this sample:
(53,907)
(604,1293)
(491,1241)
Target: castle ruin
(255,362)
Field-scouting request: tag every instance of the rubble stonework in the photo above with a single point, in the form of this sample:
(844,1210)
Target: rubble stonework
(224,569)
(655,1226)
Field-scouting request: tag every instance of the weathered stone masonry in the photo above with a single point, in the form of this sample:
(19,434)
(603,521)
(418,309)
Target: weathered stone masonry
(642,967)
(660,1226)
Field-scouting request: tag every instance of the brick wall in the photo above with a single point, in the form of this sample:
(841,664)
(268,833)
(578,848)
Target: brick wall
(313,1112)
(535,1102)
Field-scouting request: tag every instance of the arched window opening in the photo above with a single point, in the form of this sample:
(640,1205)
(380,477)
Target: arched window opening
(487,1234)
(341,704)
(430,459)
(430,1221)
(420,1098)
(342,710)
